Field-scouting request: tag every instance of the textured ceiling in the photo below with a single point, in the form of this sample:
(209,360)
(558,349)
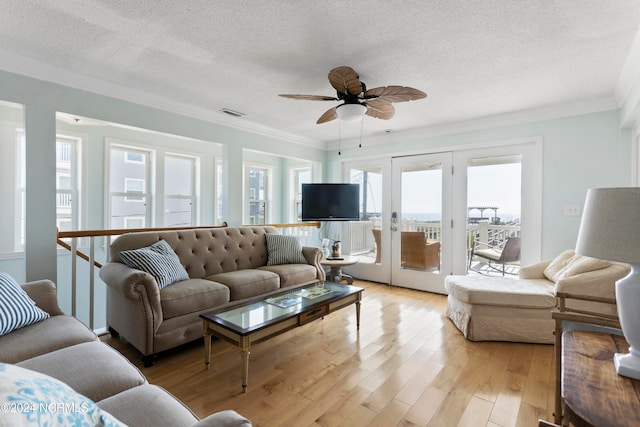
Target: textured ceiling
(476,59)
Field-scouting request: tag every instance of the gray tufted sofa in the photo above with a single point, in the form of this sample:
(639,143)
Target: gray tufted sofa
(226,266)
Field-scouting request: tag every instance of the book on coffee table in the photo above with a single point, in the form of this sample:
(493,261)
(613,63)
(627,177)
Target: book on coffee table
(283,301)
(312,293)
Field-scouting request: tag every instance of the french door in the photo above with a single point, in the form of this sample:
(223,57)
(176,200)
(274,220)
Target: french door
(419,216)
(404,203)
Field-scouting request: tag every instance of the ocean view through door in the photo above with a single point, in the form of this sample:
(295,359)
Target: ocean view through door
(421,209)
(423,216)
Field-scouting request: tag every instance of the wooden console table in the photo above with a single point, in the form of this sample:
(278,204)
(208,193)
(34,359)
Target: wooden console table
(593,394)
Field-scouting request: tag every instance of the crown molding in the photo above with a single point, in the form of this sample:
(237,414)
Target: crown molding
(556,111)
(39,70)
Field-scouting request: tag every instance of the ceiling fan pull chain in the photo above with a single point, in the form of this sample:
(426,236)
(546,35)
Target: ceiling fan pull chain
(339,137)
(361,127)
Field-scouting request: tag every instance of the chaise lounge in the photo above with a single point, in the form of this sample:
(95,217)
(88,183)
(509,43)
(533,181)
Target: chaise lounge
(486,308)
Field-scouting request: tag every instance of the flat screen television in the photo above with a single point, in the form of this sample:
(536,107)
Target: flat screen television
(330,202)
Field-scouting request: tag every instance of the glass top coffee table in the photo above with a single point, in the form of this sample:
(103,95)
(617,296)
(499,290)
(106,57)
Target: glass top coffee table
(264,318)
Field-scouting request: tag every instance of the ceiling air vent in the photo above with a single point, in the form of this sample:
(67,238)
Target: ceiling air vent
(232,112)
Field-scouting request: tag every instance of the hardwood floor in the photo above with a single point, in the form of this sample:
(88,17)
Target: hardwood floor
(408,366)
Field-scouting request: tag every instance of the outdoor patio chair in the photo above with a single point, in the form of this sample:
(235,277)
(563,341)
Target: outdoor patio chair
(416,251)
(505,253)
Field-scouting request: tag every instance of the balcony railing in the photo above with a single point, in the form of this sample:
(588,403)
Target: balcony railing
(362,241)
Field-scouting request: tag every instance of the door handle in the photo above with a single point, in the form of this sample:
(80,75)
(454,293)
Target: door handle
(394,228)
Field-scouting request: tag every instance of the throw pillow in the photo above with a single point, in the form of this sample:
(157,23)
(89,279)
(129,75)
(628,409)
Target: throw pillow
(569,264)
(284,250)
(159,260)
(30,398)
(17,310)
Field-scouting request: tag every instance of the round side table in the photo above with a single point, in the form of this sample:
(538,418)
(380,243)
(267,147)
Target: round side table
(335,273)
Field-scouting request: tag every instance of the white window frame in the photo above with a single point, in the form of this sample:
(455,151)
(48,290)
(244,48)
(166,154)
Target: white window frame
(147,195)
(250,196)
(154,187)
(134,199)
(194,191)
(295,199)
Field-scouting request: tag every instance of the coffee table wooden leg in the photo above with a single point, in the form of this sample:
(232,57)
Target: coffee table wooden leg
(244,355)
(207,350)
(358,315)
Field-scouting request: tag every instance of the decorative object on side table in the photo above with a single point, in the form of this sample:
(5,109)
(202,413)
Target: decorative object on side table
(610,230)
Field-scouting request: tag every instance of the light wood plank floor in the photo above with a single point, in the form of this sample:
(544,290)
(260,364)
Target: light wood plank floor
(408,366)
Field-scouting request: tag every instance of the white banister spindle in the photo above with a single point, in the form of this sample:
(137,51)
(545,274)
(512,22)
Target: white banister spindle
(74,266)
(92,266)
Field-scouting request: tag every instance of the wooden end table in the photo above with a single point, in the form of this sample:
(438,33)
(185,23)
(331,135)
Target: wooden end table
(593,394)
(335,273)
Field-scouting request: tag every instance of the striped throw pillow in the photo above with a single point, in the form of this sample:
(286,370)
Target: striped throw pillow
(17,310)
(284,250)
(159,260)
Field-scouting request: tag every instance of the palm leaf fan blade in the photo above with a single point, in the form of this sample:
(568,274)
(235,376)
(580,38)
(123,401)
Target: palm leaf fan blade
(380,109)
(395,93)
(328,115)
(309,97)
(345,79)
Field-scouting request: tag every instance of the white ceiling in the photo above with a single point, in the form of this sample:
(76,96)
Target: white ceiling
(478,60)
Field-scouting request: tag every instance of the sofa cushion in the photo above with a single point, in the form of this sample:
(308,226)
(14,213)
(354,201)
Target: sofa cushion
(16,308)
(192,295)
(148,405)
(284,250)
(569,264)
(247,283)
(43,337)
(41,400)
(93,369)
(501,291)
(293,274)
(159,260)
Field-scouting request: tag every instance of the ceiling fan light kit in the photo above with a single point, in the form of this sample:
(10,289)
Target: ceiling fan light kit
(351,112)
(358,100)
(374,102)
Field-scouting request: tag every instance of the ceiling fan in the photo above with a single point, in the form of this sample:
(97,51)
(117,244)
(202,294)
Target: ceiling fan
(357,99)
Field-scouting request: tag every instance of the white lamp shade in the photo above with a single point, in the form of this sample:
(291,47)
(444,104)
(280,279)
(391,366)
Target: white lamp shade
(610,227)
(350,112)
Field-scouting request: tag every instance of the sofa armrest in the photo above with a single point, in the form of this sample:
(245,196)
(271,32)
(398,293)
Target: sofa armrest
(126,281)
(228,418)
(314,255)
(135,285)
(534,271)
(44,293)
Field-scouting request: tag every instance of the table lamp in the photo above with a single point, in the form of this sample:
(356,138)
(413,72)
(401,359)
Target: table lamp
(610,230)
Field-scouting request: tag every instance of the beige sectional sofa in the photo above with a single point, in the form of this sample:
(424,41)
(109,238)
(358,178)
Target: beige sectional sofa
(57,372)
(224,266)
(486,308)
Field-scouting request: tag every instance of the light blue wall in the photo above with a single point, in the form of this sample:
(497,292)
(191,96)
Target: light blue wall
(579,152)
(42,100)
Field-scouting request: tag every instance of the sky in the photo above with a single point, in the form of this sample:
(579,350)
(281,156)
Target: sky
(493,185)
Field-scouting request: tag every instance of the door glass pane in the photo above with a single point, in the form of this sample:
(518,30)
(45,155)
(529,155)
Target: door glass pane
(421,216)
(365,234)
(493,215)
